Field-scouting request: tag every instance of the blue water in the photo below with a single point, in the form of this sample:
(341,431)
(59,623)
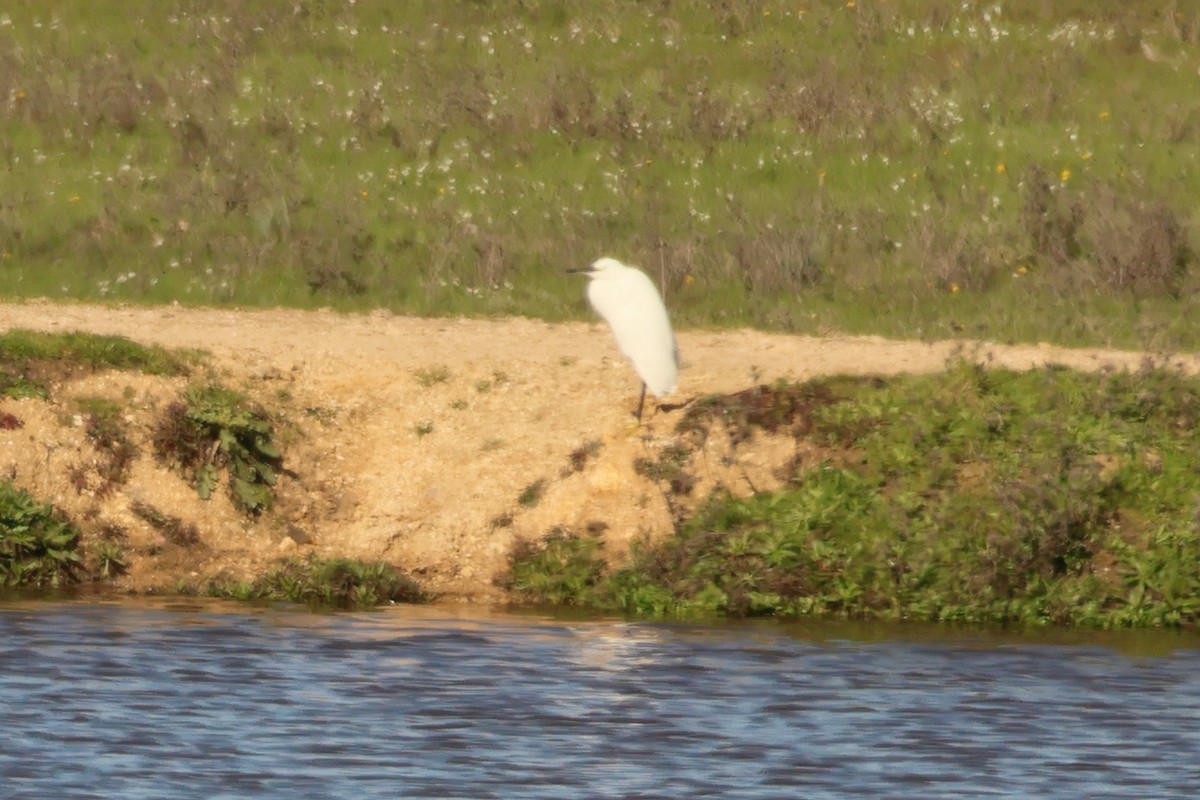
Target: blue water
(118,700)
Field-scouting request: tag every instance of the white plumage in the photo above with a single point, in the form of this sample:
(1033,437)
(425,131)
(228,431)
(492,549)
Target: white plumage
(633,308)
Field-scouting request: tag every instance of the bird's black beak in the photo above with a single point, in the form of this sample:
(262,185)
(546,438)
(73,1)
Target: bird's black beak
(576,270)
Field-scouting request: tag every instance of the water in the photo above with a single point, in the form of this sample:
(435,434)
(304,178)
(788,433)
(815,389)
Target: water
(176,700)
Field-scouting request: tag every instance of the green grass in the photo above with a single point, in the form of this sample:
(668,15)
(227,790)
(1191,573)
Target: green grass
(38,548)
(562,569)
(93,350)
(916,168)
(338,583)
(1049,496)
(29,360)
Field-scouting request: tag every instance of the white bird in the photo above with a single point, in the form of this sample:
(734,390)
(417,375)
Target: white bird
(633,308)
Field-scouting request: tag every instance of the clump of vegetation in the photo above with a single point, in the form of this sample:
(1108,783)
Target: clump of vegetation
(431,376)
(31,361)
(14,383)
(668,468)
(1100,238)
(1049,496)
(110,560)
(579,457)
(484,385)
(565,568)
(107,431)
(92,350)
(531,495)
(785,407)
(37,547)
(107,557)
(214,428)
(174,529)
(339,583)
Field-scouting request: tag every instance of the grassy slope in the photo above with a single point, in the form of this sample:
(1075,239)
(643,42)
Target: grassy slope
(906,168)
(977,495)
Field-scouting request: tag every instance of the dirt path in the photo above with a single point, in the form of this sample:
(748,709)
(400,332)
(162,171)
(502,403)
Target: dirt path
(414,438)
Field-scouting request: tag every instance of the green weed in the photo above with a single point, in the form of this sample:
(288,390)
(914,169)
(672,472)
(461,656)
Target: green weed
(335,583)
(37,547)
(563,569)
(111,561)
(213,428)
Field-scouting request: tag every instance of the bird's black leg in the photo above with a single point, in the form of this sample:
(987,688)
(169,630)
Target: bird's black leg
(641,402)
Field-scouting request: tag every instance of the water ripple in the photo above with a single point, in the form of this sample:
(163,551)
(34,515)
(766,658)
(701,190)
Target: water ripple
(124,701)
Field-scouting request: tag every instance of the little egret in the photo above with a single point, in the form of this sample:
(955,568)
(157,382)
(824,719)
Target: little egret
(632,307)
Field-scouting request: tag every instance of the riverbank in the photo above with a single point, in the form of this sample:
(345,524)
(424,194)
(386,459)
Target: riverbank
(430,444)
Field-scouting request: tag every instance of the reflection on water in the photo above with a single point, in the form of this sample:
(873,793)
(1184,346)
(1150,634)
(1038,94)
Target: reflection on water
(174,700)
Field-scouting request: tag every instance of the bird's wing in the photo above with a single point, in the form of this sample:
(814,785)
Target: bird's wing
(634,310)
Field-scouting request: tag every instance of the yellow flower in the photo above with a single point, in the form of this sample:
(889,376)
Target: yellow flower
(954,288)
(850,3)
(362,192)
(19,95)
(1103,115)
(688,280)
(74,198)
(1065,175)
(1000,168)
(1085,155)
